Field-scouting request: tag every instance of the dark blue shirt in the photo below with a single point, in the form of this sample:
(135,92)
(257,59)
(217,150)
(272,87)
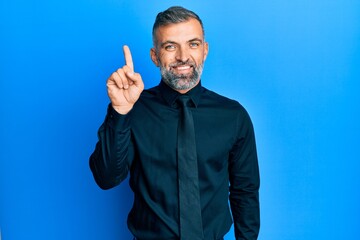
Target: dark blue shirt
(144,141)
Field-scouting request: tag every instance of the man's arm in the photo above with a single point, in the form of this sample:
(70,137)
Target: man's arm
(112,158)
(245,182)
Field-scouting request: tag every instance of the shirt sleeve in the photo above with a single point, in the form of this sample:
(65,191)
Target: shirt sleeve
(111,159)
(245,182)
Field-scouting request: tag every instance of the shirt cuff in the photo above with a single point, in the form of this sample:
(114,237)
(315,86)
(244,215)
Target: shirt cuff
(117,121)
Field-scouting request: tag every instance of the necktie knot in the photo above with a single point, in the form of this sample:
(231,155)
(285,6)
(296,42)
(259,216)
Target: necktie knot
(184,101)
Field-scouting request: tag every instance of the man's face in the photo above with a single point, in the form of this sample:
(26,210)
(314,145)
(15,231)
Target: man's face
(180,53)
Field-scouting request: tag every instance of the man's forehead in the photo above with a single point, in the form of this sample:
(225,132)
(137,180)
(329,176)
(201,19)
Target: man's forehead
(187,30)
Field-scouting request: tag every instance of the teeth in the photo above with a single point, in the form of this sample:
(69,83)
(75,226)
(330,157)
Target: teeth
(183,67)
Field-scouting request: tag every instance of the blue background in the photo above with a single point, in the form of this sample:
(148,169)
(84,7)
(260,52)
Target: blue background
(295,66)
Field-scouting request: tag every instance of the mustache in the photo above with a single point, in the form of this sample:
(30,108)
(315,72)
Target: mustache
(182,63)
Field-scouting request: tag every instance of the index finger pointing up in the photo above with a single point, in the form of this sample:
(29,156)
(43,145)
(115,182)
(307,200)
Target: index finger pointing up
(128,57)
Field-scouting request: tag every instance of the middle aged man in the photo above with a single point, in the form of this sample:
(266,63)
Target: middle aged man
(186,147)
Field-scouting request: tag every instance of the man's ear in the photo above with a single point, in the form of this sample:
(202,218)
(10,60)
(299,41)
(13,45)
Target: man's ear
(154,57)
(206,50)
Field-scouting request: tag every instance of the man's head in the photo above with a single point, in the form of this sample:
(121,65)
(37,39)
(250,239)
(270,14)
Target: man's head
(179,47)
(174,15)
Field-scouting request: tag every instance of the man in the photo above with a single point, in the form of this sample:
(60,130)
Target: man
(186,147)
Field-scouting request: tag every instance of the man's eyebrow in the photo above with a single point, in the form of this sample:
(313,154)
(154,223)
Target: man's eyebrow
(196,40)
(167,42)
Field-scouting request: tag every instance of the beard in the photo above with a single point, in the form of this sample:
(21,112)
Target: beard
(181,81)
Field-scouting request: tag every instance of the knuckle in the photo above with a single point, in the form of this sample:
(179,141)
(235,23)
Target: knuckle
(112,76)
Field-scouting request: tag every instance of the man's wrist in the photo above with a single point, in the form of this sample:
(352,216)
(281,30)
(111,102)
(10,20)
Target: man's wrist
(123,110)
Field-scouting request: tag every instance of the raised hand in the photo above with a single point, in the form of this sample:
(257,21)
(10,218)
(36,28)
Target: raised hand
(124,86)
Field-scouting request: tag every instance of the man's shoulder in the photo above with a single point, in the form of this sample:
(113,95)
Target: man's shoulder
(150,93)
(220,100)
(225,104)
(151,97)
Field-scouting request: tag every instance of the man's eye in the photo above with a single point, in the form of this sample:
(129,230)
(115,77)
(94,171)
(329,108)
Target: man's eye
(194,45)
(170,47)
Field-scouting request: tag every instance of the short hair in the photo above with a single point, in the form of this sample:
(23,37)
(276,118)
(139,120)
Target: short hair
(172,15)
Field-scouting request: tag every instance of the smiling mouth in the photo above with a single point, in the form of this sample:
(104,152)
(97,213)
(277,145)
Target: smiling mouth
(182,69)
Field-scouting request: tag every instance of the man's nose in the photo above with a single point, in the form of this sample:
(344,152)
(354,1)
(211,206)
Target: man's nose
(182,54)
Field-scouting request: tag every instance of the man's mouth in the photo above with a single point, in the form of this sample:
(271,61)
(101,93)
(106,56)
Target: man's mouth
(182,69)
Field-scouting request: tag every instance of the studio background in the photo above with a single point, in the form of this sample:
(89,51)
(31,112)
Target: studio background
(294,65)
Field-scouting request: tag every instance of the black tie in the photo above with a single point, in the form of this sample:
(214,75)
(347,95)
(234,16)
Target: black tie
(189,197)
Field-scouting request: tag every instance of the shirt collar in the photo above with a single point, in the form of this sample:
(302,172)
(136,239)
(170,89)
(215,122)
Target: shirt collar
(170,95)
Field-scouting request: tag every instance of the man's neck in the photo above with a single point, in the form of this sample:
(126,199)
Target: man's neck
(183,91)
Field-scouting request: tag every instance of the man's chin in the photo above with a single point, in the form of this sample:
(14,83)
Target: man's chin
(185,84)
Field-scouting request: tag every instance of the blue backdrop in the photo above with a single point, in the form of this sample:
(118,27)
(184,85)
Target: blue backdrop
(295,66)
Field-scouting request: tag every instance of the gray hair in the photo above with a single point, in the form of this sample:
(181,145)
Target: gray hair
(171,15)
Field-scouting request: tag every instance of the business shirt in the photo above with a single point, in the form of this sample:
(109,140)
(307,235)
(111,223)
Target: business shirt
(144,142)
